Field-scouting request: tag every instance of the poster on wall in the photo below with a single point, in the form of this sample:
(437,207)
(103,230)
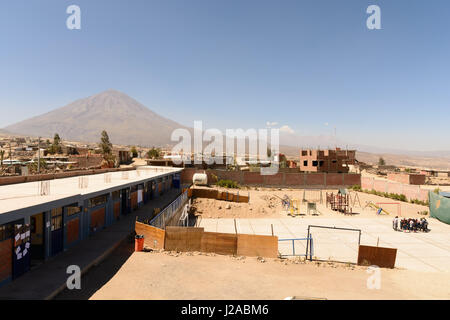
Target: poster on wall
(140,194)
(22,250)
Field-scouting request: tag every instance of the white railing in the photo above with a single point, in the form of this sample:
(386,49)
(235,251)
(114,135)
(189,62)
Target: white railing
(168,212)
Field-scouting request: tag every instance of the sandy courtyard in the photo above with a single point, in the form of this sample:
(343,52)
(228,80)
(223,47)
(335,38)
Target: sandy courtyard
(266,203)
(422,266)
(193,276)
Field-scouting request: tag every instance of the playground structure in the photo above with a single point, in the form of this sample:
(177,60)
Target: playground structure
(315,196)
(339,201)
(355,202)
(292,205)
(378,207)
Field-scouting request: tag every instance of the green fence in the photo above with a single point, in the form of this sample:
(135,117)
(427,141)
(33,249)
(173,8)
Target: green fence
(439,207)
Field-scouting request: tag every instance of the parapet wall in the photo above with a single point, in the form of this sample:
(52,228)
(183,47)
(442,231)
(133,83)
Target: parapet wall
(293,180)
(59,175)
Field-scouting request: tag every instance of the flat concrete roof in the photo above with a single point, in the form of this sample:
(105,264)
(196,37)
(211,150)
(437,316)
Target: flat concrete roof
(16,197)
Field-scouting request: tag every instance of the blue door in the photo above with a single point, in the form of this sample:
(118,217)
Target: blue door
(126,203)
(57,231)
(22,250)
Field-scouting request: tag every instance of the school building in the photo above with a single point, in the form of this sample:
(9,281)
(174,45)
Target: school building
(40,219)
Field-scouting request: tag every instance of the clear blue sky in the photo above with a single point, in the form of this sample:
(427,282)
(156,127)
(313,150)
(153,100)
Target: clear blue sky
(240,63)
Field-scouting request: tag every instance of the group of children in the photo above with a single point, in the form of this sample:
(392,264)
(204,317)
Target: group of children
(411,225)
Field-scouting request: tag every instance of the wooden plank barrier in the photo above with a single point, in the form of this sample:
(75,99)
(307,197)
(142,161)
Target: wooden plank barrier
(257,246)
(153,237)
(219,195)
(379,256)
(220,243)
(183,239)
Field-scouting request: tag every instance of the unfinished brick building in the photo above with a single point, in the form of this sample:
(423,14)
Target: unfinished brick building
(326,160)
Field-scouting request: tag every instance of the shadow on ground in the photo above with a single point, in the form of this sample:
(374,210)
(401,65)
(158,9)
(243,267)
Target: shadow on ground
(99,275)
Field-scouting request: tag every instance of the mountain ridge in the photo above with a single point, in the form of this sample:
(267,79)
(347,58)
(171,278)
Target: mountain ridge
(126,120)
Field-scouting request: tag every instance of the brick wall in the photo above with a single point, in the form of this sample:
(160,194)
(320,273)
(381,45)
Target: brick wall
(297,179)
(292,179)
(253,178)
(417,179)
(276,179)
(335,179)
(83,161)
(315,179)
(5,259)
(352,179)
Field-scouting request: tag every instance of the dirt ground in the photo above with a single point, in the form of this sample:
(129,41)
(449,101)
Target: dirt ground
(170,275)
(266,203)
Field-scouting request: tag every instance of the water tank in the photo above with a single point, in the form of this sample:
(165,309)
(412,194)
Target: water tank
(200,179)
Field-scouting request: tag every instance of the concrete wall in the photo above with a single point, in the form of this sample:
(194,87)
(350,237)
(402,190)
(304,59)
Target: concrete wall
(286,179)
(407,178)
(410,191)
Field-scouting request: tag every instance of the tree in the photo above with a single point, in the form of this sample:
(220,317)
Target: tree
(33,166)
(154,153)
(55,147)
(381,162)
(134,152)
(282,161)
(2,154)
(106,146)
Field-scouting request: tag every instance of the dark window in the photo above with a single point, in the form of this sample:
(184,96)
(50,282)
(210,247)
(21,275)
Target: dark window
(314,163)
(321,163)
(333,161)
(33,224)
(7,229)
(97,201)
(116,195)
(56,223)
(305,163)
(73,209)
(56,219)
(56,212)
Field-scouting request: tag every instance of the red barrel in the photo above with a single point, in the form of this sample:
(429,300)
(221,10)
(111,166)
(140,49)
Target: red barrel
(138,243)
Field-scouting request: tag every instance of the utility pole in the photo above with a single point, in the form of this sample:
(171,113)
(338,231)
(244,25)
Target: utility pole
(39,155)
